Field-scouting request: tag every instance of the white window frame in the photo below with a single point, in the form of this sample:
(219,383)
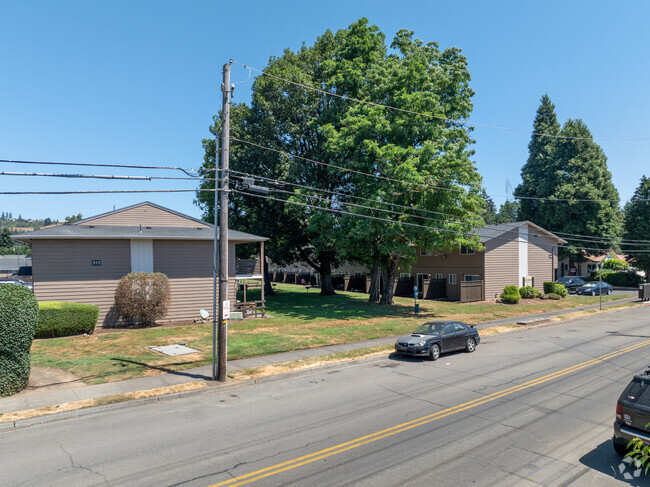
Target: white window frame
(440,275)
(404,275)
(426,252)
(465,276)
(452,278)
(468,251)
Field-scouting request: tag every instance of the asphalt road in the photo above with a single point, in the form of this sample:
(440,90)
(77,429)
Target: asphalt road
(529,408)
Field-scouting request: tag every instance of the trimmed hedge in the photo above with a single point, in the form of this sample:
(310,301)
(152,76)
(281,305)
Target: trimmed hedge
(61,319)
(18,315)
(529,292)
(549,287)
(554,296)
(561,290)
(510,295)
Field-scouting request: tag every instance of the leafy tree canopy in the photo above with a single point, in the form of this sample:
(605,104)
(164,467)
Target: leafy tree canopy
(637,226)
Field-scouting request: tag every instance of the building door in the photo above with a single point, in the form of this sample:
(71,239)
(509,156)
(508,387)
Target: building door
(420,284)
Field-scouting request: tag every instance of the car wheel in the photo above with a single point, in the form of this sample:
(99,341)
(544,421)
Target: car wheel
(620,448)
(471,345)
(593,293)
(434,352)
(609,291)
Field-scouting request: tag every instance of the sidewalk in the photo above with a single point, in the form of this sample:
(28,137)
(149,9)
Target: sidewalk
(33,399)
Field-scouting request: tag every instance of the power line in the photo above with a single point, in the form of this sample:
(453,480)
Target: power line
(107,191)
(438,117)
(455,218)
(386,220)
(313,161)
(92,164)
(100,176)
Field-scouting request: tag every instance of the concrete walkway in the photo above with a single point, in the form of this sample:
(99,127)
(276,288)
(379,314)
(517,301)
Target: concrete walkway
(51,396)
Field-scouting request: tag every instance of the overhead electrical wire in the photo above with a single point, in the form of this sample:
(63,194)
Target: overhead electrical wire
(93,164)
(438,117)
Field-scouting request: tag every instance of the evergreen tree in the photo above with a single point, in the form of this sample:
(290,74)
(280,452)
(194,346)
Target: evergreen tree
(536,175)
(637,226)
(5,238)
(508,212)
(490,213)
(581,177)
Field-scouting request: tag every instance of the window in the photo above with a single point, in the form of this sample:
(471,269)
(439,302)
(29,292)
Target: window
(439,276)
(452,278)
(404,275)
(426,251)
(466,251)
(471,277)
(591,268)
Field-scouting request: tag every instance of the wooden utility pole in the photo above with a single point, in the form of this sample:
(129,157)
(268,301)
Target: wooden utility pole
(223,175)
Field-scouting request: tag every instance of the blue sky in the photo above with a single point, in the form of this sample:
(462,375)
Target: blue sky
(138,82)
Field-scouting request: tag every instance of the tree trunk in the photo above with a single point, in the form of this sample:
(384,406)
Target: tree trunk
(268,277)
(375,276)
(388,276)
(326,286)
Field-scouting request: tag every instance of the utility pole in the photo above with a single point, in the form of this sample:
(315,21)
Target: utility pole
(223,175)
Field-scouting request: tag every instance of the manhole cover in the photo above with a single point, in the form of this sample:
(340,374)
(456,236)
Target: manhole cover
(174,350)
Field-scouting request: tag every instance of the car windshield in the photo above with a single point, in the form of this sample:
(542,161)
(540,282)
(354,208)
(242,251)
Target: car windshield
(563,280)
(430,329)
(590,284)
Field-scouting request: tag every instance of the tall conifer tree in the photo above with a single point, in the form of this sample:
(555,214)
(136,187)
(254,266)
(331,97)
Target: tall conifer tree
(535,174)
(637,226)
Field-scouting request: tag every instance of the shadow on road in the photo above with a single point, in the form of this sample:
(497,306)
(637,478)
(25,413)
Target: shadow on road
(604,459)
(408,359)
(164,369)
(618,333)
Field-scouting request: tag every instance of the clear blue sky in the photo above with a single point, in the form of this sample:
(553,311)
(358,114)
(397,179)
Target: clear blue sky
(138,82)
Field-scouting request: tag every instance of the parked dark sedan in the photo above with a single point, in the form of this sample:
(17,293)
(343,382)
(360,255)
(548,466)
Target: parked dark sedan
(436,337)
(595,288)
(571,283)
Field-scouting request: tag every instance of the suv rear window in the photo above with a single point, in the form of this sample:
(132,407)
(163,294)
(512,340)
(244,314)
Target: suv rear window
(638,392)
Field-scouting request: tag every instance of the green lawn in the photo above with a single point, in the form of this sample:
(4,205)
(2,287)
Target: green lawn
(299,318)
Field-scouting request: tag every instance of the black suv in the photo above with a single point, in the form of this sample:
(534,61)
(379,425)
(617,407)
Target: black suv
(571,283)
(633,413)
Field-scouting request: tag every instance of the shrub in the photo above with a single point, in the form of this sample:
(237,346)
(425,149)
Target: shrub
(18,315)
(616,265)
(510,290)
(595,275)
(554,296)
(142,297)
(510,298)
(549,287)
(624,279)
(561,291)
(59,319)
(529,292)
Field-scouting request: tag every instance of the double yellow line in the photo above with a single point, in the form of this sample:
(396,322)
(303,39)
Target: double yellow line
(364,440)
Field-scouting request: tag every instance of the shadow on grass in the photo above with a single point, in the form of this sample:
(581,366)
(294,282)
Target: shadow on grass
(605,460)
(164,369)
(304,305)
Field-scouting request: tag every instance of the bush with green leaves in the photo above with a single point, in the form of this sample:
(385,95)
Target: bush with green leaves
(61,319)
(554,296)
(616,265)
(561,291)
(621,278)
(510,295)
(529,292)
(18,316)
(142,297)
(549,287)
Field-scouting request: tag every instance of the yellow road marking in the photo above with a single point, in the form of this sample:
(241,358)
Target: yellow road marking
(364,440)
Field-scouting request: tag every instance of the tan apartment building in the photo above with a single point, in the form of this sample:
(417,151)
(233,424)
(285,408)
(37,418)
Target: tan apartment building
(83,262)
(515,254)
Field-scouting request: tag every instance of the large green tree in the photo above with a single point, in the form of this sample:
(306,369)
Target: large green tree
(637,226)
(416,161)
(538,173)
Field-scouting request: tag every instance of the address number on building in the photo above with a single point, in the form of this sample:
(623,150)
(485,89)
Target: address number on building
(96,263)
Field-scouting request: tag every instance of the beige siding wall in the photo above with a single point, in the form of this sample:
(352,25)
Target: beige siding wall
(540,266)
(501,263)
(63,271)
(449,263)
(145,215)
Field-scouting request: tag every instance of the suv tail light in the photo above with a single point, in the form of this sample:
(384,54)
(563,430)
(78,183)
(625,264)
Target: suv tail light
(619,411)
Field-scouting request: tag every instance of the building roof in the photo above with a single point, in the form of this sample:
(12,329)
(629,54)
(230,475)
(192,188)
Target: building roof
(87,230)
(489,232)
(104,232)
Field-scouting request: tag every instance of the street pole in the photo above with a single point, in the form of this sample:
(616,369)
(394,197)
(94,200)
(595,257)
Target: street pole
(600,289)
(223,223)
(215,253)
